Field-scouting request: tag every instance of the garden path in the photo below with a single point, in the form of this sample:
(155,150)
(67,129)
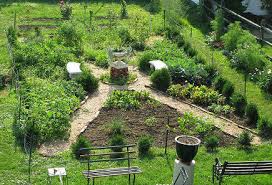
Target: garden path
(90,109)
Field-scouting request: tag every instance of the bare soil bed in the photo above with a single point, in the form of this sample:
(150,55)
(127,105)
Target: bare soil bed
(135,126)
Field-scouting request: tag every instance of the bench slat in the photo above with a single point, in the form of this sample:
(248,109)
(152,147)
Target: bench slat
(245,167)
(112,172)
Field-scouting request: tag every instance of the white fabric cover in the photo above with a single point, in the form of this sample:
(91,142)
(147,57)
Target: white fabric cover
(157,64)
(255,7)
(73,69)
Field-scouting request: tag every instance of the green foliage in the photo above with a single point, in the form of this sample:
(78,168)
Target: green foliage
(127,99)
(87,80)
(236,37)
(2,84)
(265,127)
(265,81)
(239,102)
(212,143)
(172,32)
(11,35)
(125,36)
(144,61)
(151,121)
(244,140)
(116,127)
(219,83)
(101,59)
(190,124)
(224,110)
(81,142)
(154,6)
(65,9)
(228,90)
(252,114)
(122,80)
(90,54)
(71,37)
(124,13)
(46,109)
(117,140)
(161,79)
(218,24)
(199,95)
(144,145)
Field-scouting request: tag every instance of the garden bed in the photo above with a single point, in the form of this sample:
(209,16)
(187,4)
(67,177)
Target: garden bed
(136,125)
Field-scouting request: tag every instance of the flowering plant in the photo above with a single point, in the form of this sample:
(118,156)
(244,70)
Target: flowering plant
(65,9)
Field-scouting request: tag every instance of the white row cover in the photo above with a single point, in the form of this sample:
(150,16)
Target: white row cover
(73,69)
(157,64)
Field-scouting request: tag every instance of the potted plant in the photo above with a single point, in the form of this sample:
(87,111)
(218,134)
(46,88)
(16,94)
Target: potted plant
(186,147)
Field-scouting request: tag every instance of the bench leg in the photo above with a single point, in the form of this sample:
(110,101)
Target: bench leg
(129,179)
(93,181)
(133,179)
(213,175)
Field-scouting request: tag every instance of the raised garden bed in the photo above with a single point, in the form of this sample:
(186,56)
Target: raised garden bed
(136,125)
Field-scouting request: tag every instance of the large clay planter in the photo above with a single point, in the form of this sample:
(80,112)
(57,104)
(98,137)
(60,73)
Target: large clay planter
(186,147)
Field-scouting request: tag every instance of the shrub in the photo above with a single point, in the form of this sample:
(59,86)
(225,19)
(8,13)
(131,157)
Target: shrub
(116,127)
(172,33)
(228,90)
(265,81)
(151,121)
(81,142)
(190,124)
(219,83)
(244,140)
(124,13)
(65,9)
(87,80)
(161,79)
(101,60)
(239,102)
(221,109)
(138,45)
(117,140)
(218,24)
(252,114)
(127,99)
(154,6)
(212,73)
(212,143)
(180,40)
(2,84)
(265,127)
(90,54)
(144,61)
(191,52)
(144,145)
(11,35)
(125,36)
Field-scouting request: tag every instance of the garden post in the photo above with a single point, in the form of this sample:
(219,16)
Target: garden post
(14,21)
(164,19)
(191,32)
(91,17)
(150,24)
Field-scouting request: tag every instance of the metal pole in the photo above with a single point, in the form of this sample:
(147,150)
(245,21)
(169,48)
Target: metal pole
(29,160)
(166,137)
(164,19)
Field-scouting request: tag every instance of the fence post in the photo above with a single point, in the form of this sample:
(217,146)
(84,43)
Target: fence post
(164,19)
(150,24)
(191,32)
(166,137)
(91,17)
(14,21)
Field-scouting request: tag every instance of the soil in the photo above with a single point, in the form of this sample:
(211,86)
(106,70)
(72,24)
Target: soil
(188,140)
(135,126)
(29,27)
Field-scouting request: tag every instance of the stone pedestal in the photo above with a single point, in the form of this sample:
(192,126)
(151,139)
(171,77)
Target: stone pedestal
(189,168)
(118,69)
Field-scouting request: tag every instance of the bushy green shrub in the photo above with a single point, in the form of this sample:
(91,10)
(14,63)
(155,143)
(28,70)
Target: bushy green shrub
(116,127)
(87,80)
(228,90)
(218,24)
(252,114)
(265,127)
(11,35)
(81,142)
(2,85)
(154,6)
(221,109)
(125,36)
(190,124)
(127,99)
(90,54)
(161,79)
(244,140)
(172,32)
(239,102)
(219,83)
(144,145)
(265,81)
(144,61)
(212,143)
(117,140)
(124,12)
(101,59)
(66,10)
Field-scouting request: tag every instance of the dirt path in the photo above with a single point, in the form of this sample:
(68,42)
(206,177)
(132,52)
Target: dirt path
(90,109)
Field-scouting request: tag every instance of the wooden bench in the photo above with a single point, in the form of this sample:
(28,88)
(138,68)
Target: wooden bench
(92,155)
(240,168)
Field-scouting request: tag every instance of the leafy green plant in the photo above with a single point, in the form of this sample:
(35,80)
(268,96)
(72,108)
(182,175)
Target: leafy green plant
(127,99)
(122,80)
(244,140)
(65,9)
(265,127)
(218,24)
(117,140)
(154,6)
(219,83)
(69,36)
(116,127)
(212,143)
(252,114)
(144,61)
(151,121)
(11,35)
(144,145)
(221,109)
(161,79)
(228,90)
(87,80)
(125,36)
(124,12)
(101,59)
(81,142)
(190,124)
(239,102)
(265,81)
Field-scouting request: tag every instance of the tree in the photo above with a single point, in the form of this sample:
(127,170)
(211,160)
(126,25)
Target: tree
(218,24)
(124,13)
